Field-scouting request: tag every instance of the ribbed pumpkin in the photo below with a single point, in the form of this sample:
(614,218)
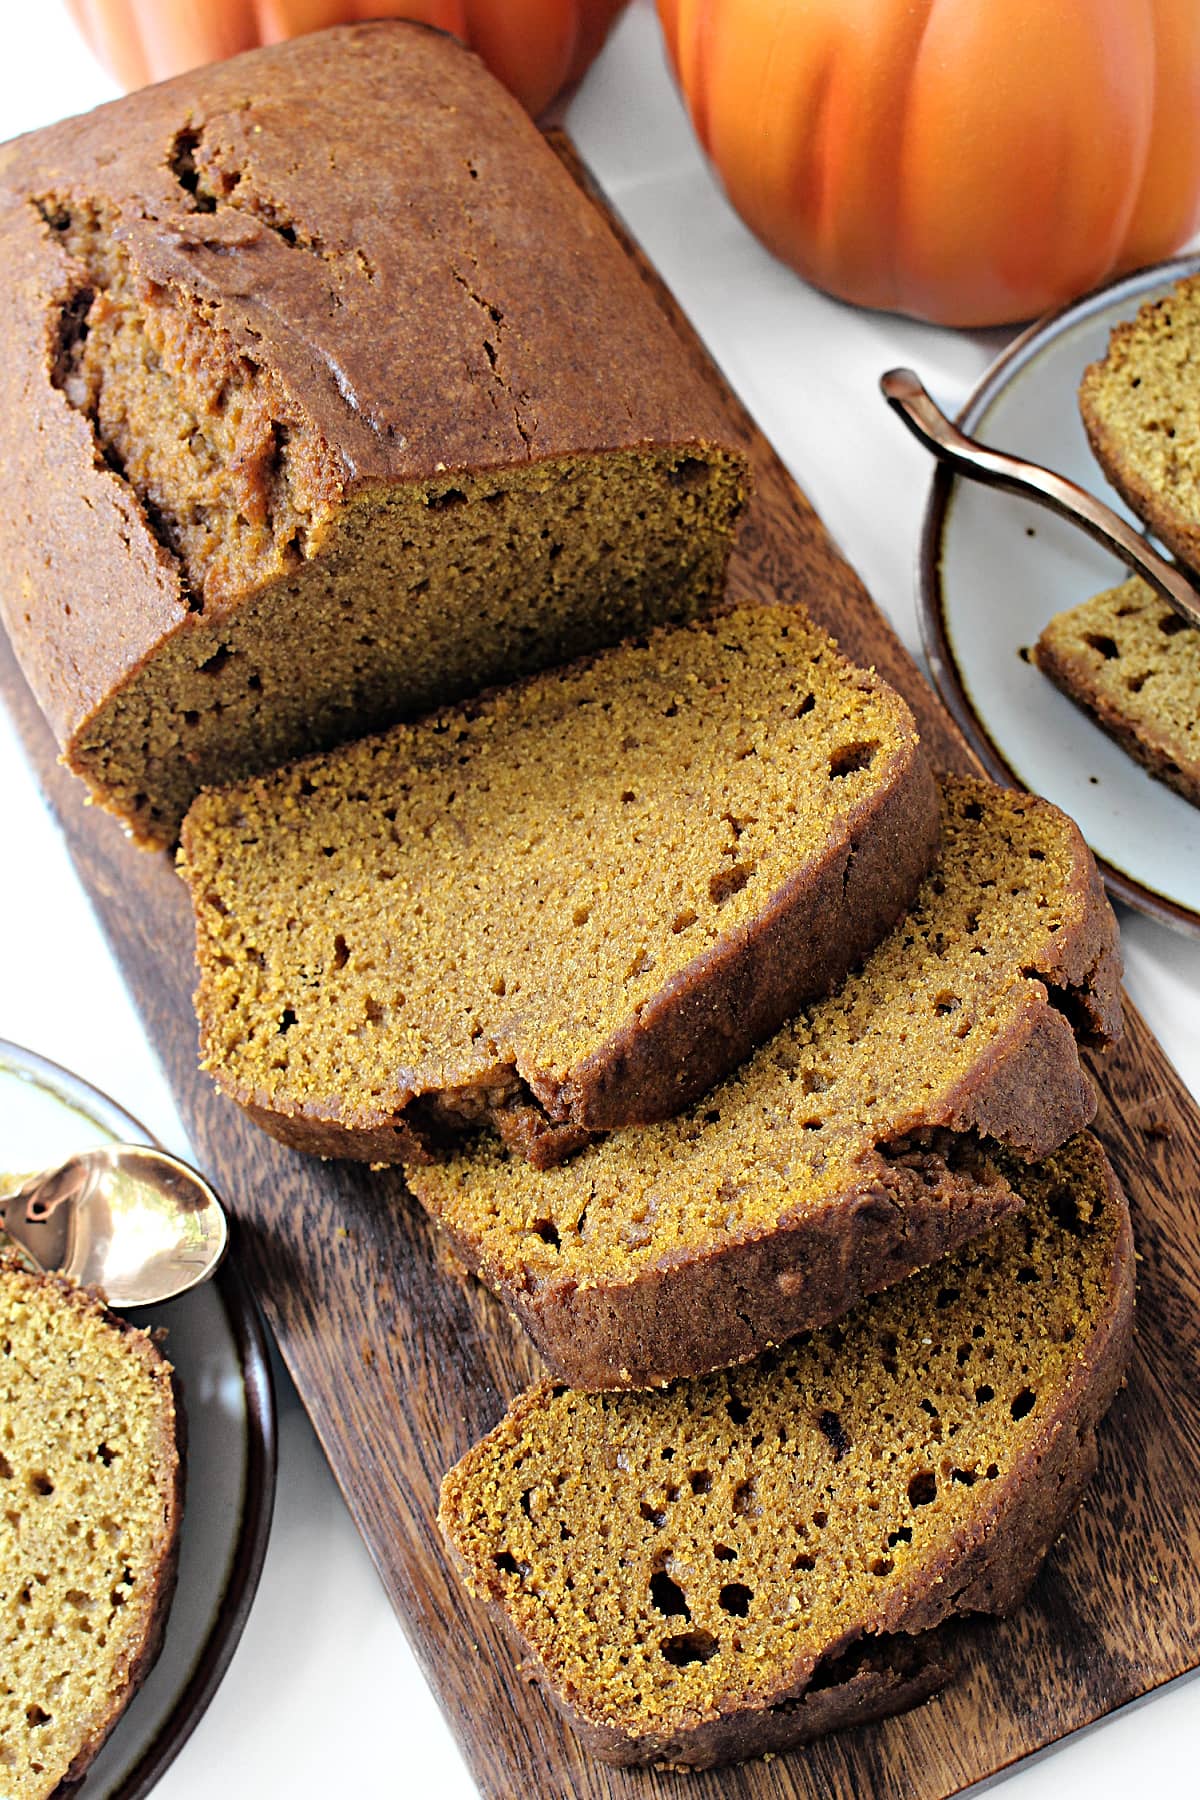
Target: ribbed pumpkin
(966,161)
(536,47)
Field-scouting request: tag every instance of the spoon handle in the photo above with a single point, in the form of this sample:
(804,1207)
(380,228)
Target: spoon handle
(905,393)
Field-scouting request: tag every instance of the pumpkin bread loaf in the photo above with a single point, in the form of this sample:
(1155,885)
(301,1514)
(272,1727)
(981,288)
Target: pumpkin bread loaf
(744,1561)
(1141,411)
(563,906)
(91,1495)
(856,1146)
(327,397)
(1131,662)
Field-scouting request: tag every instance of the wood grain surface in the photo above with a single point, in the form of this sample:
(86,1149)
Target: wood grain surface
(402,1362)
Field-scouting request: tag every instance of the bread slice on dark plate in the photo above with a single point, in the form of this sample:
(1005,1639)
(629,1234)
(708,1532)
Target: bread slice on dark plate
(91,1499)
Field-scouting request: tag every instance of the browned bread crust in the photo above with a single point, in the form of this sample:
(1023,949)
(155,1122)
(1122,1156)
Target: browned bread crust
(625,1270)
(890,1639)
(743,876)
(1134,665)
(316,361)
(155,1478)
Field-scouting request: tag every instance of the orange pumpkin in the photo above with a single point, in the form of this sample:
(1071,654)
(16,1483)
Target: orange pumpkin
(536,47)
(966,161)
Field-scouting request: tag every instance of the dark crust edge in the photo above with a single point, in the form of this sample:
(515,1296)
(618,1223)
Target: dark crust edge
(1069,675)
(1173,527)
(711,1014)
(172,1454)
(687,1316)
(988,1570)
(724,1306)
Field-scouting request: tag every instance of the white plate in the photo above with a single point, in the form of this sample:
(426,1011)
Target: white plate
(994,568)
(216,1344)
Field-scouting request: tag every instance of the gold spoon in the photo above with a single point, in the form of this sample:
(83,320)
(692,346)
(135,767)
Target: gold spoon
(136,1223)
(905,394)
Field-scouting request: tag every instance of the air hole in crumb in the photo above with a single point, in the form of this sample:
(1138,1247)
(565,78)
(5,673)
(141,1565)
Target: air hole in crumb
(724,1553)
(700,1481)
(973,811)
(805,706)
(964,1477)
(883,1565)
(507,1562)
(667,1596)
(984,1393)
(548,1232)
(1102,644)
(922,1488)
(1027,1275)
(735,1598)
(1136,683)
(1023,1403)
(738,1411)
(286,1020)
(5,1469)
(692,1647)
(745,1498)
(946,1297)
(1172,624)
(727,882)
(105,1455)
(40,1483)
(652,1515)
(341,954)
(848,759)
(946,1003)
(216,662)
(35,1715)
(830,1426)
(683,919)
(580,916)
(691,475)
(804,1563)
(451,497)
(627,795)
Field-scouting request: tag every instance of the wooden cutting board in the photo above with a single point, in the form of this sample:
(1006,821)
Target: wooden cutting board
(402,1362)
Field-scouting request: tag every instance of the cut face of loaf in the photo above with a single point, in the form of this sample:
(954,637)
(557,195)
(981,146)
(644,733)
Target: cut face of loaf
(565,906)
(853,1148)
(91,1489)
(327,398)
(1141,410)
(1134,665)
(742,1562)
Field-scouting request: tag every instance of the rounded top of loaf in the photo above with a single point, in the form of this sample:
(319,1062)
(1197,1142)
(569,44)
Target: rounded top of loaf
(370,214)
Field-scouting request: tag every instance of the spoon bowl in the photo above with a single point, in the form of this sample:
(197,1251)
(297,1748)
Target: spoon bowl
(138,1224)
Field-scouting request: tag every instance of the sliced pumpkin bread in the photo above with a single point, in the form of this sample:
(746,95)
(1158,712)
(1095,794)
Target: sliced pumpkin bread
(91,1497)
(1131,662)
(745,1561)
(853,1148)
(568,905)
(1141,411)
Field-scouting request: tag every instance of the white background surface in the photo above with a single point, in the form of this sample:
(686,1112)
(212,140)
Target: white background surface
(323,1696)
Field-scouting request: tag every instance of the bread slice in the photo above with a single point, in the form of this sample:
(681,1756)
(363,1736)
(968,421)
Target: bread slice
(565,906)
(91,1497)
(852,1149)
(1131,662)
(1141,411)
(742,1562)
(327,397)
